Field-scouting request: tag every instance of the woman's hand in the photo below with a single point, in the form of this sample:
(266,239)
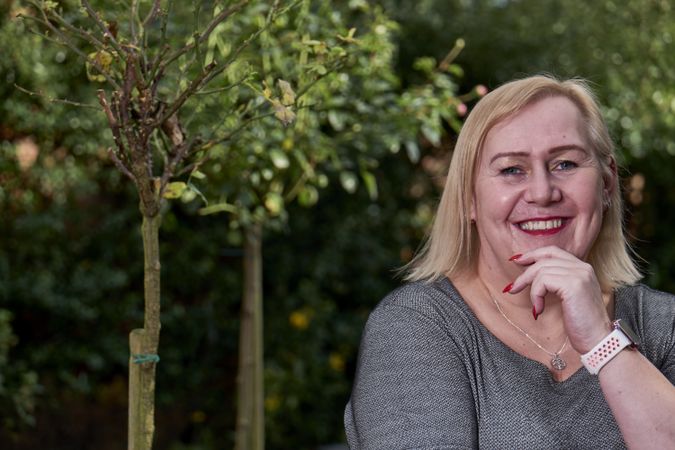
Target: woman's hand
(551,270)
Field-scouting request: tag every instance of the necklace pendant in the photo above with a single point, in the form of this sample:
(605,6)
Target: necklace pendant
(558,363)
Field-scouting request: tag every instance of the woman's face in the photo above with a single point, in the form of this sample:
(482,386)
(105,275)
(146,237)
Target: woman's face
(538,183)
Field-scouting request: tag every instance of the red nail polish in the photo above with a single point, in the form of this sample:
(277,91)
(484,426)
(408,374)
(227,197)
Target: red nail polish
(515,257)
(534,313)
(507,288)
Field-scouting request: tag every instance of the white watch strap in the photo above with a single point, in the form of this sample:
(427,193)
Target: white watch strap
(607,349)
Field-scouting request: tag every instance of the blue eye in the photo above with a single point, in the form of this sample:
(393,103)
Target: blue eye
(565,165)
(511,171)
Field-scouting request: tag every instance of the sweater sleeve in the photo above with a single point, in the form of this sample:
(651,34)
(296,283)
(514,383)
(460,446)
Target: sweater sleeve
(411,389)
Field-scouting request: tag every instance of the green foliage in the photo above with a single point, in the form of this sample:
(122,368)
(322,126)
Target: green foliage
(18,385)
(323,279)
(38,144)
(311,108)
(334,68)
(626,51)
(373,90)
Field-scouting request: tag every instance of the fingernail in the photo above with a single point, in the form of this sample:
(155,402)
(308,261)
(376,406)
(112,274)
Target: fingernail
(534,313)
(515,257)
(507,288)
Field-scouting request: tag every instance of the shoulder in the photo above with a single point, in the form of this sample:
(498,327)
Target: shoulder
(641,299)
(435,304)
(650,314)
(431,299)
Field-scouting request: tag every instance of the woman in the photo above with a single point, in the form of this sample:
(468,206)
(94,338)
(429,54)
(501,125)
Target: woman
(524,274)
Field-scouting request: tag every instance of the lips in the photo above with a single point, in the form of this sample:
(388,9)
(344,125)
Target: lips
(542,226)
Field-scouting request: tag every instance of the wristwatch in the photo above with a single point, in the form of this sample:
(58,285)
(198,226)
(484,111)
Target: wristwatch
(620,337)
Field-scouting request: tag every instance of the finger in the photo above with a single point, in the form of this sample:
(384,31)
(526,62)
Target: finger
(550,252)
(541,268)
(549,282)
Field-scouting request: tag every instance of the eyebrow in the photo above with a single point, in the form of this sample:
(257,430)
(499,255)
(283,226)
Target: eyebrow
(551,151)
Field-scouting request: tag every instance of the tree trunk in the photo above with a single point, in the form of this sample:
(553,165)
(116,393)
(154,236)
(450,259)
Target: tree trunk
(144,343)
(250,433)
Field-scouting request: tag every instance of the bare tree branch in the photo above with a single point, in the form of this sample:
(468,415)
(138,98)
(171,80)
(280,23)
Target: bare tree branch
(54,100)
(231,134)
(180,153)
(112,123)
(152,15)
(134,17)
(194,166)
(241,81)
(102,26)
(76,31)
(194,86)
(120,165)
(65,41)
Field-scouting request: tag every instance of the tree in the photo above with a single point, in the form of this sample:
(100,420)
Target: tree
(152,81)
(143,68)
(349,113)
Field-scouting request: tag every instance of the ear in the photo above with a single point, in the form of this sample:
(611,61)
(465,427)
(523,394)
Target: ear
(610,179)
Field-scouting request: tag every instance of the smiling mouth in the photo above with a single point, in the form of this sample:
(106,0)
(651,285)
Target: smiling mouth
(547,226)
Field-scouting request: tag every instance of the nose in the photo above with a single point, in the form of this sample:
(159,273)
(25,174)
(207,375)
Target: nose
(542,188)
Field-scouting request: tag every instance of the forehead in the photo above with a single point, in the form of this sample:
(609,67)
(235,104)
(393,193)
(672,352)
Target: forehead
(543,124)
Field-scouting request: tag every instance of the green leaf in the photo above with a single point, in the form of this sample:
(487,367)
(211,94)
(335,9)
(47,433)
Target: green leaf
(308,196)
(432,134)
(371,184)
(279,159)
(425,64)
(50,5)
(306,166)
(349,181)
(456,70)
(413,151)
(198,175)
(319,68)
(174,189)
(336,120)
(194,191)
(220,207)
(274,203)
(322,180)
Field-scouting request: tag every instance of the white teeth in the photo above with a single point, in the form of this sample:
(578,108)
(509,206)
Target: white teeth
(540,224)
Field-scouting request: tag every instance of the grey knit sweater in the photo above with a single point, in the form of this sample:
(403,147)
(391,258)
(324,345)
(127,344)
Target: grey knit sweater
(431,376)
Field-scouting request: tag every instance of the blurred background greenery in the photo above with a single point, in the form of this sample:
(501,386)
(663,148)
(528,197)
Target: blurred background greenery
(70,251)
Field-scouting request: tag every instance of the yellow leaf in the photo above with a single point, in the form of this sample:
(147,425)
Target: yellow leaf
(101,58)
(267,92)
(274,203)
(287,144)
(175,189)
(350,36)
(283,113)
(287,93)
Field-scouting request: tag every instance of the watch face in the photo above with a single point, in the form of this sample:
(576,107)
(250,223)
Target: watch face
(625,329)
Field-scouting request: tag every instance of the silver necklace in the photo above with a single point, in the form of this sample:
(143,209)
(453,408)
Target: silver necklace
(556,360)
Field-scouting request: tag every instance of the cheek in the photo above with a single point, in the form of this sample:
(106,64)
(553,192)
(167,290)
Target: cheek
(493,203)
(593,197)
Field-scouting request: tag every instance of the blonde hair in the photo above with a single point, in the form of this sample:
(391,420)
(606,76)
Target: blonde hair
(452,245)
